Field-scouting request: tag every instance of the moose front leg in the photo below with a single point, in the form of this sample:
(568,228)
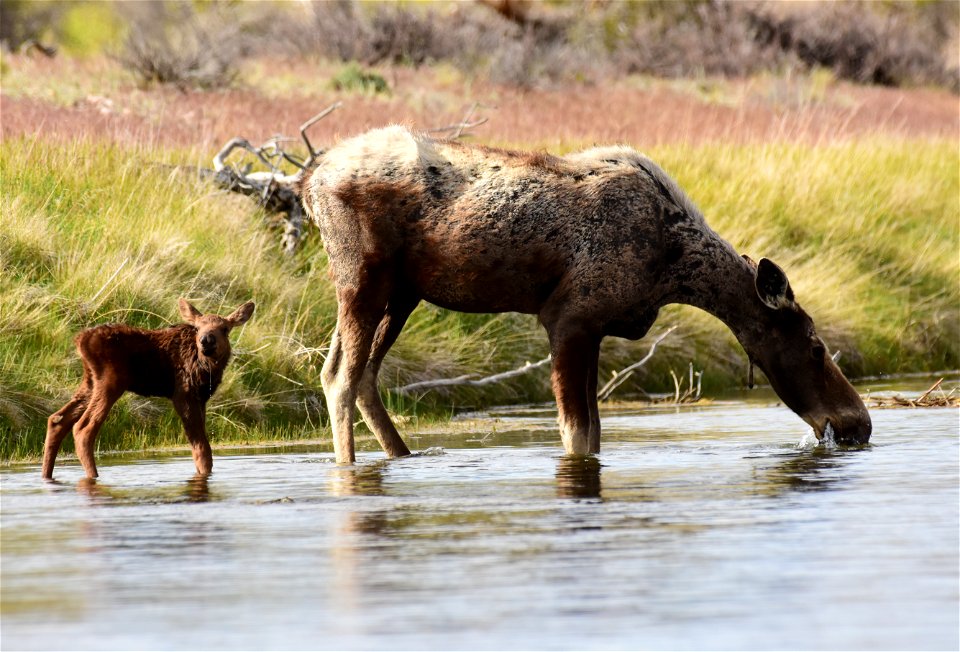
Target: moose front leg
(594,433)
(575,353)
(193,414)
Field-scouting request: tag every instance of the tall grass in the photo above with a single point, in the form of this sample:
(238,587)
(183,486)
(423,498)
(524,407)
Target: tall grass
(867,231)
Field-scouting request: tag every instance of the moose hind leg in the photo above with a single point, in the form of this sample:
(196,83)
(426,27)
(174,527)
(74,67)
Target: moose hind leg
(357,320)
(59,424)
(368,400)
(88,427)
(575,355)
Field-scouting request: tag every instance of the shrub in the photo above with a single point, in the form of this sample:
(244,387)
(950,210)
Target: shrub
(354,78)
(173,44)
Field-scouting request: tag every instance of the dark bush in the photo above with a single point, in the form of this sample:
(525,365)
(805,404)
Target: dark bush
(173,44)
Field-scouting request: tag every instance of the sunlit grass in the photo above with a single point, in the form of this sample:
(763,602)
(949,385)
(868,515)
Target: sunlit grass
(867,231)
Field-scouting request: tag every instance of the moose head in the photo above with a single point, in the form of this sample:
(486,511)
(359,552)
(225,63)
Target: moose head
(213,330)
(798,365)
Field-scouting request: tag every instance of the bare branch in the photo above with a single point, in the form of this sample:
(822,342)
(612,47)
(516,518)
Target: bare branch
(275,189)
(464,124)
(309,123)
(468,380)
(620,376)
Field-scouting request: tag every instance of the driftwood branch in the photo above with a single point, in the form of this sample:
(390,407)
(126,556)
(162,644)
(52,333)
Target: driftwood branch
(469,380)
(456,130)
(275,189)
(933,397)
(619,377)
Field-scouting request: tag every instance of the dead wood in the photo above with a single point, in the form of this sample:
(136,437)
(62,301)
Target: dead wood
(933,397)
(691,394)
(619,377)
(275,187)
(469,380)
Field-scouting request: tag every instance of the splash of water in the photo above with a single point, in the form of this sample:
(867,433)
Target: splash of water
(828,439)
(811,441)
(808,442)
(433,451)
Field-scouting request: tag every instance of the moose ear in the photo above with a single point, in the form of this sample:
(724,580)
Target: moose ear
(188,312)
(750,261)
(241,314)
(773,288)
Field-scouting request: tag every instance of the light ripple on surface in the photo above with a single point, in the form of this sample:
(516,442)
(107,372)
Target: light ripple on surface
(695,528)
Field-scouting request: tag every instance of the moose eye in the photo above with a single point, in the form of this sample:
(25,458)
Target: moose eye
(818,352)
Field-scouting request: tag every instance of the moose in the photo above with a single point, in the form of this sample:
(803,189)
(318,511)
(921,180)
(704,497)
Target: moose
(593,243)
(184,362)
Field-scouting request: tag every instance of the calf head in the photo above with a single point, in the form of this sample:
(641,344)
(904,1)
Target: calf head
(798,365)
(213,330)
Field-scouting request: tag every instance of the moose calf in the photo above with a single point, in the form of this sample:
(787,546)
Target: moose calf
(184,363)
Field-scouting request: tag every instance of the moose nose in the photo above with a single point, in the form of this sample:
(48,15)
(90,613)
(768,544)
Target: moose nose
(853,430)
(208,343)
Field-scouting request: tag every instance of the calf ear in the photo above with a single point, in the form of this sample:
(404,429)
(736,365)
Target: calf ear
(773,288)
(188,312)
(241,314)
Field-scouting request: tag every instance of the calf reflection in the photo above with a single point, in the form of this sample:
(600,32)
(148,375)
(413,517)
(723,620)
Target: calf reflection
(194,490)
(578,476)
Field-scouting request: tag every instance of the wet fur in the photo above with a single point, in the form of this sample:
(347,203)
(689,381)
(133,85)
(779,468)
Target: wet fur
(165,363)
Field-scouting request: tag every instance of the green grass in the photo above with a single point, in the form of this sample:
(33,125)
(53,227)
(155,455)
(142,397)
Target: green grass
(867,231)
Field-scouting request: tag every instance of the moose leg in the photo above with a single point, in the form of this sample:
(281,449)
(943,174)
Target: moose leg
(88,427)
(60,423)
(368,400)
(194,417)
(357,319)
(594,433)
(575,354)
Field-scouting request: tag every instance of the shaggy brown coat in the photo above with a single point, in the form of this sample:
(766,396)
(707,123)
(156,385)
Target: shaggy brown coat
(184,363)
(593,243)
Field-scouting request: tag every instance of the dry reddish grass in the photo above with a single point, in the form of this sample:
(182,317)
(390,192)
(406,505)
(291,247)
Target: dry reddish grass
(642,114)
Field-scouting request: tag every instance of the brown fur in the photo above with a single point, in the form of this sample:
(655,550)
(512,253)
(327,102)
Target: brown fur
(593,243)
(184,363)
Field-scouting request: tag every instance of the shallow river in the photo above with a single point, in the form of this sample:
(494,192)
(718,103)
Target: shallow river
(695,528)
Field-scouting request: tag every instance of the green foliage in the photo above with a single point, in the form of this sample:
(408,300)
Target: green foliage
(88,28)
(352,77)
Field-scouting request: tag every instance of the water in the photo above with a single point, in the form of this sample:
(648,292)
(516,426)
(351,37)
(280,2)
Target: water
(703,528)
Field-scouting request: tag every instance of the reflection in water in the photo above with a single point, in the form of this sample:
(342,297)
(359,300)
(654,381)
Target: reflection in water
(505,546)
(358,480)
(578,476)
(194,490)
(806,471)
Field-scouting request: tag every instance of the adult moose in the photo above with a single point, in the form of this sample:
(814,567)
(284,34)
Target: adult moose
(592,243)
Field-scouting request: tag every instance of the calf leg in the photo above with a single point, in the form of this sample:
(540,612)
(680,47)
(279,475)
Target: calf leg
(575,352)
(359,313)
(369,401)
(193,414)
(102,398)
(60,423)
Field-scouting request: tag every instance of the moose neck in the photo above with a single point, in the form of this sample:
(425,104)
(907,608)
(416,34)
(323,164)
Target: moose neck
(724,286)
